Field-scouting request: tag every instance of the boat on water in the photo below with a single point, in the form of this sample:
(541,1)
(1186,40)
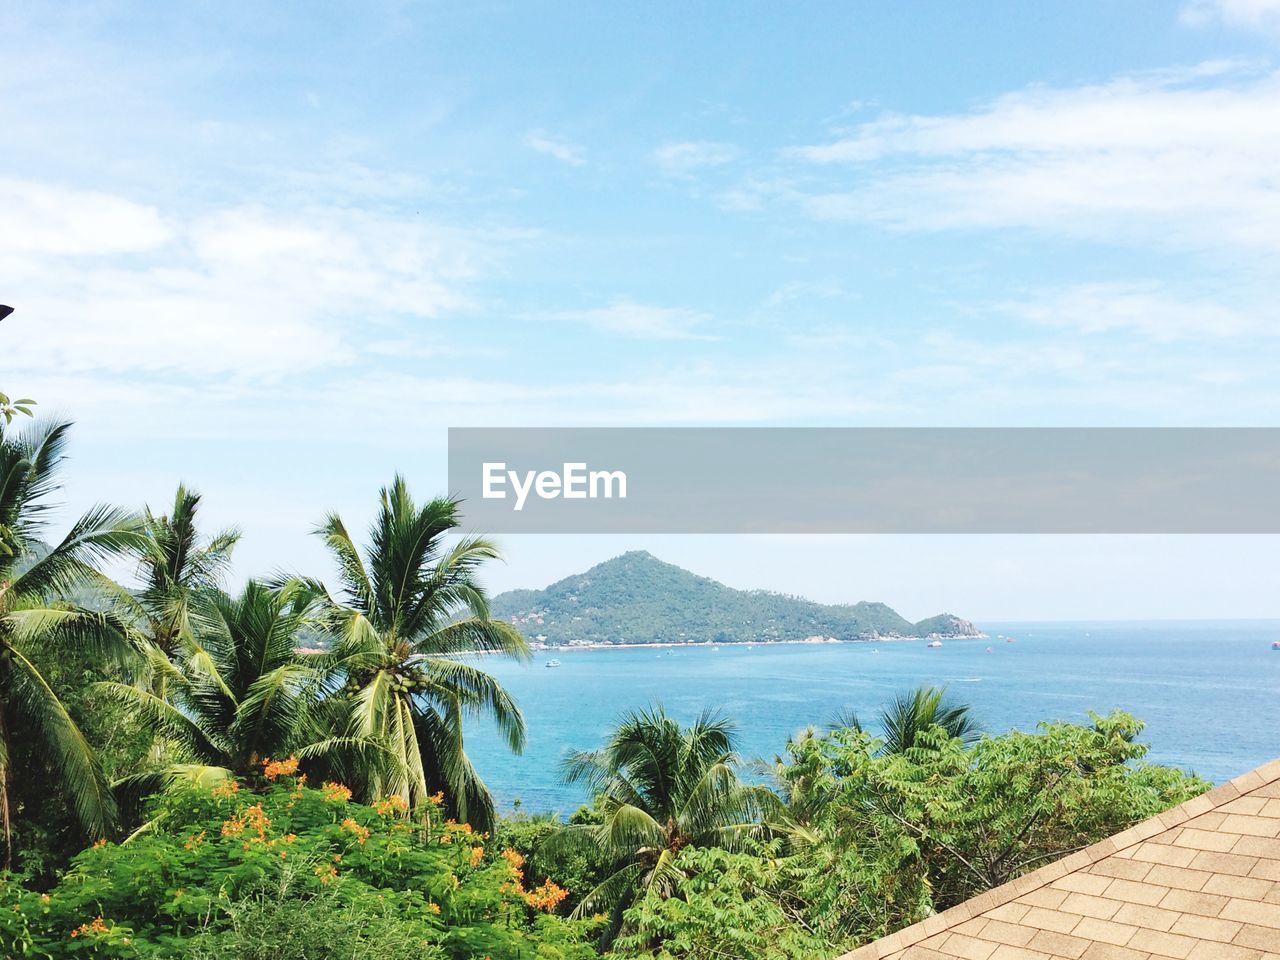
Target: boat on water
(934,643)
(552,663)
(1275,644)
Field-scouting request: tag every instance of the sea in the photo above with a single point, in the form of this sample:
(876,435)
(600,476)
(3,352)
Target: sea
(1209,692)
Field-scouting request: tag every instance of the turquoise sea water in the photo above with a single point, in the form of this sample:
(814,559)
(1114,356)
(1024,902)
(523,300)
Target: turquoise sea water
(1209,691)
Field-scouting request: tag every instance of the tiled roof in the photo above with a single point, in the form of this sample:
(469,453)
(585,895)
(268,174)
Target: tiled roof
(1198,882)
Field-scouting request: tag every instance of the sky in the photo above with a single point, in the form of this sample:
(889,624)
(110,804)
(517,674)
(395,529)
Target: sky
(276,250)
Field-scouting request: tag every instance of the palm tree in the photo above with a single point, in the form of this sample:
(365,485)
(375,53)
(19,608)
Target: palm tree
(410,607)
(176,565)
(244,695)
(910,714)
(36,617)
(660,787)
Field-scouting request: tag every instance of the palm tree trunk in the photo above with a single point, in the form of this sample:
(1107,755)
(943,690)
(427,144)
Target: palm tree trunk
(6,814)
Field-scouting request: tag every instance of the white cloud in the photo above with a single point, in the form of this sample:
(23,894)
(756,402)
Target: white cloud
(1146,309)
(1186,161)
(683,159)
(639,321)
(41,219)
(1245,13)
(542,142)
(246,292)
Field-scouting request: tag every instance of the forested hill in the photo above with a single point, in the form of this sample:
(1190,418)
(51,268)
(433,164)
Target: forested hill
(637,598)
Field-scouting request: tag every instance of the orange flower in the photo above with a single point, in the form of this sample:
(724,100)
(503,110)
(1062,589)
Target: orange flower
(392,805)
(477,854)
(514,858)
(361,832)
(194,841)
(279,768)
(252,818)
(335,792)
(433,907)
(327,873)
(96,926)
(546,897)
(227,788)
(100,842)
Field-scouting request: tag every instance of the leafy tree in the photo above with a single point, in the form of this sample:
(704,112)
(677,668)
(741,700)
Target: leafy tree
(661,787)
(983,816)
(34,579)
(411,605)
(727,906)
(910,714)
(884,839)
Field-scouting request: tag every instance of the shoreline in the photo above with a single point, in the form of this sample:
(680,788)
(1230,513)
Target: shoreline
(695,644)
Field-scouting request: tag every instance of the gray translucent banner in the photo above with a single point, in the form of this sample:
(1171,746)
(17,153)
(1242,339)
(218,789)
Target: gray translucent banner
(854,480)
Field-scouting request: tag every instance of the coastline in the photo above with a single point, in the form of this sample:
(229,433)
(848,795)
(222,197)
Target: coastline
(695,644)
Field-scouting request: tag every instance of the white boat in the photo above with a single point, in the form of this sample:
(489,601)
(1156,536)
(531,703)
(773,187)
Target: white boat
(934,643)
(1275,644)
(552,663)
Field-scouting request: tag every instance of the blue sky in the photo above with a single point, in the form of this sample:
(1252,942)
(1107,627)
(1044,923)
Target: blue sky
(276,250)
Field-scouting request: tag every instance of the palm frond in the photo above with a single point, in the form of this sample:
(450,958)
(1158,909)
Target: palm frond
(480,693)
(102,533)
(79,772)
(350,566)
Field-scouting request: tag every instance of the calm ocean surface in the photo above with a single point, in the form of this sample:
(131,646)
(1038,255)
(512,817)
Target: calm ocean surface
(1209,692)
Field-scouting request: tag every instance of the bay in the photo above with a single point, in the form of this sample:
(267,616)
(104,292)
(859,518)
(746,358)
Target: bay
(1208,690)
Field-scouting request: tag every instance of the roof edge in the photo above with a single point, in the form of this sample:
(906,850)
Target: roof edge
(1006,893)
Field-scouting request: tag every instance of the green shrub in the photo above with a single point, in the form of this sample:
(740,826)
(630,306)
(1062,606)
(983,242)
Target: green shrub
(730,906)
(276,924)
(290,872)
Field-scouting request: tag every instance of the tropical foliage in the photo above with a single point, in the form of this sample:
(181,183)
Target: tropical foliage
(410,605)
(910,714)
(660,788)
(176,567)
(234,872)
(156,741)
(39,587)
(882,839)
(731,906)
(244,693)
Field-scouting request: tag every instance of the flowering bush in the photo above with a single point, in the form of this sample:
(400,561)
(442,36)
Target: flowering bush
(211,858)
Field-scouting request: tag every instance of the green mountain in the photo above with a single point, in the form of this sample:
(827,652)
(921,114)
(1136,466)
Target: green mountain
(636,598)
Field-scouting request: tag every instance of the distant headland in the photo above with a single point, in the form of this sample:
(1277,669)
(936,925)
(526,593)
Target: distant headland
(638,600)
